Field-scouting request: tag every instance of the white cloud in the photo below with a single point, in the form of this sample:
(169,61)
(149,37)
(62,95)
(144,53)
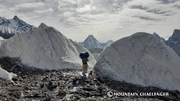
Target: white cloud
(85,9)
(44,11)
(71,1)
(112,19)
(67,14)
(30,5)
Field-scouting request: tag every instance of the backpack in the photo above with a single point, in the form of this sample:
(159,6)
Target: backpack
(86,55)
(81,55)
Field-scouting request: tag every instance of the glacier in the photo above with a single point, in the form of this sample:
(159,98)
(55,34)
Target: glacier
(140,59)
(45,48)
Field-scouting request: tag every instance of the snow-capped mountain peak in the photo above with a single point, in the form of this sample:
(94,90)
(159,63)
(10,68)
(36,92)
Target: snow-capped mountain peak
(16,18)
(4,21)
(91,38)
(109,42)
(10,27)
(91,42)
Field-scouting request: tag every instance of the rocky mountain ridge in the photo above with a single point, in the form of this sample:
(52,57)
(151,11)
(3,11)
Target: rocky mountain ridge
(174,41)
(10,27)
(91,42)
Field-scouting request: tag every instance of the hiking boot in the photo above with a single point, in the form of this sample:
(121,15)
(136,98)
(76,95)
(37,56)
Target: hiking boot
(83,74)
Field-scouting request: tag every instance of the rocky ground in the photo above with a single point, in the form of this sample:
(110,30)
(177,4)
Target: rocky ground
(68,85)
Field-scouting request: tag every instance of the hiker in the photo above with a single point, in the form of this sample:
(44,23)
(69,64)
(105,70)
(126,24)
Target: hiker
(84,57)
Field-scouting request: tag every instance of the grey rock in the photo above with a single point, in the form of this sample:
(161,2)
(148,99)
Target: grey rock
(174,41)
(160,38)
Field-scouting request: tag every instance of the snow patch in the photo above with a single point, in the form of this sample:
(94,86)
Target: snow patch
(6,75)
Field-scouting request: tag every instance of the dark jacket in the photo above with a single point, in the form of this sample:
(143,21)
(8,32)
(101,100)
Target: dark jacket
(84,60)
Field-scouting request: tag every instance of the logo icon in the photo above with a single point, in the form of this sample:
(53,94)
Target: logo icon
(110,93)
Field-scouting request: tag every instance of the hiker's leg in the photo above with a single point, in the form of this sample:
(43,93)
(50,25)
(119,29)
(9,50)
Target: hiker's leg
(86,67)
(83,69)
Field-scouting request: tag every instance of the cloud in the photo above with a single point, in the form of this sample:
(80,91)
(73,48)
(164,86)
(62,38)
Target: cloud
(108,18)
(84,9)
(149,16)
(167,1)
(44,11)
(30,5)
(67,14)
(146,18)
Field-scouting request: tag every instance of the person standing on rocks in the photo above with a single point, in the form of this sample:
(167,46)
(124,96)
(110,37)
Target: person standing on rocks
(84,57)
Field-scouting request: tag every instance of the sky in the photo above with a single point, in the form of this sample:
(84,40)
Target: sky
(104,19)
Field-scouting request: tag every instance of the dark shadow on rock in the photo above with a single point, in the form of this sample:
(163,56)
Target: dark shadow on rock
(51,86)
(14,65)
(79,81)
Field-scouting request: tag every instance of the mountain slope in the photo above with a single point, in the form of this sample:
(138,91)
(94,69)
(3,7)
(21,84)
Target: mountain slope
(91,42)
(140,59)
(160,38)
(9,27)
(95,52)
(1,40)
(174,41)
(45,48)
